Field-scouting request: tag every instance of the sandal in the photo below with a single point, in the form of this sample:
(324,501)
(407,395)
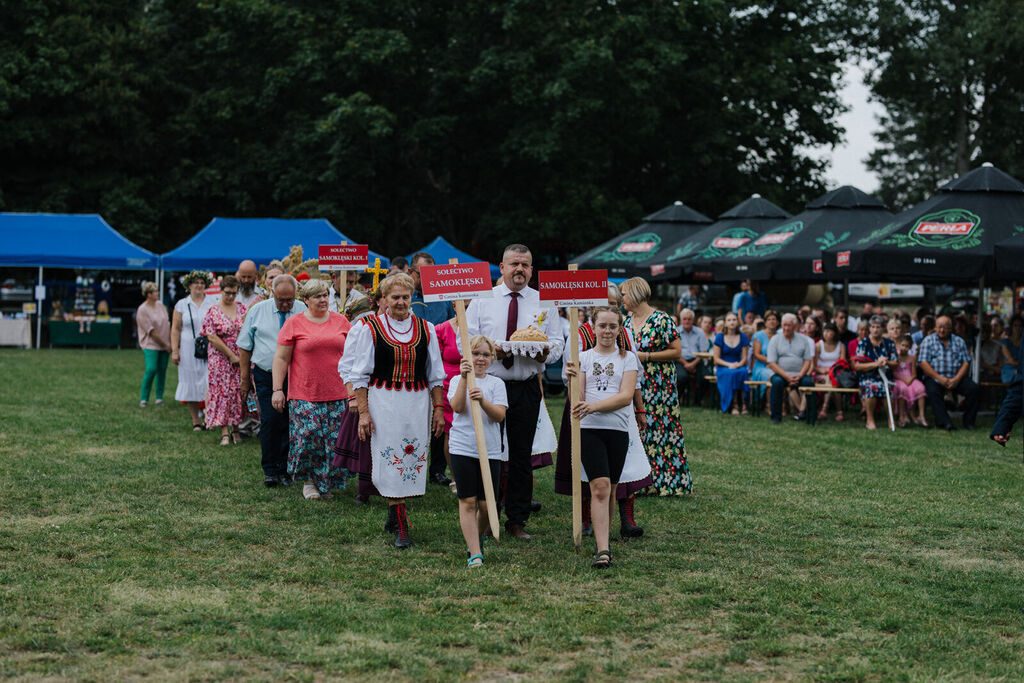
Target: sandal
(475,561)
(823,415)
(735,411)
(602,560)
(159,403)
(744,411)
(839,417)
(225,440)
(198,427)
(310,492)
(997,437)
(236,437)
(142,404)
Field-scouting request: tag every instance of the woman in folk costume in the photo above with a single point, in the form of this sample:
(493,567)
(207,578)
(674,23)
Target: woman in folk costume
(636,475)
(397,375)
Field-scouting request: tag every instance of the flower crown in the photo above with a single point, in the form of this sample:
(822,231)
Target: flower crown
(206,277)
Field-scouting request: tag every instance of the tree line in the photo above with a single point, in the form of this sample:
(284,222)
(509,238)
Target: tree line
(563,123)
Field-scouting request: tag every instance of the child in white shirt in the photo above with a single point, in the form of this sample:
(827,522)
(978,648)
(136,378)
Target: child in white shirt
(465,461)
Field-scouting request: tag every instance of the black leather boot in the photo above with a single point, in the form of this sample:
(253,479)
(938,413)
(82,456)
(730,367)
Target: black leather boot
(628,529)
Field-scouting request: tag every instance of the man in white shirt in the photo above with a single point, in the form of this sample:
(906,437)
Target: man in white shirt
(514,306)
(352,294)
(247,274)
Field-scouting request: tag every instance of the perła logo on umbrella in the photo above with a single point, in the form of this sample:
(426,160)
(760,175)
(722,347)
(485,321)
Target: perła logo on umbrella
(947,229)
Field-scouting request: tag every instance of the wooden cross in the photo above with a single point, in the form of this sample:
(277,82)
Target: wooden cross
(377,272)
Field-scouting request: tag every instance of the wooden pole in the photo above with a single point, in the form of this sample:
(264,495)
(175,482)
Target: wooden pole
(573,398)
(342,288)
(478,420)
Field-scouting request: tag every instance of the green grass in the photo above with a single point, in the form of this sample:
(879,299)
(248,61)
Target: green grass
(130,546)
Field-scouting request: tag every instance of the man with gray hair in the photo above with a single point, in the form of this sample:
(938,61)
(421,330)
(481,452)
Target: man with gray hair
(791,358)
(257,343)
(692,342)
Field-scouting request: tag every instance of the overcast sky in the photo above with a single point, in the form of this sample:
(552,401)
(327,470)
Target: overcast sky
(860,123)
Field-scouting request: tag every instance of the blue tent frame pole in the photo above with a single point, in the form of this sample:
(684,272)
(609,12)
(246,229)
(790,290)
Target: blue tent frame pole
(39,311)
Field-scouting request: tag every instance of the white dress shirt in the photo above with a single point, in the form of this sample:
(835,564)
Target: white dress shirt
(489,317)
(359,347)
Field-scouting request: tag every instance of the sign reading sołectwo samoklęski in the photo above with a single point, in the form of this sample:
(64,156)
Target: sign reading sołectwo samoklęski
(343,256)
(573,287)
(451,281)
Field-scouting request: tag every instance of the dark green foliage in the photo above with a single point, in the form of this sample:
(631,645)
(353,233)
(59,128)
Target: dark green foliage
(949,76)
(559,124)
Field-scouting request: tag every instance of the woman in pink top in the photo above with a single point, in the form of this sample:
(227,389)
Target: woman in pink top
(154,328)
(451,359)
(309,347)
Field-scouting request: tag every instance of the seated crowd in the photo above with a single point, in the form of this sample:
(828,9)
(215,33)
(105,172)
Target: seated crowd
(755,354)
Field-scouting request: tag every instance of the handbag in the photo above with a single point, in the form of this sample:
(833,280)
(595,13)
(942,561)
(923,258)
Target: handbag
(841,375)
(202,349)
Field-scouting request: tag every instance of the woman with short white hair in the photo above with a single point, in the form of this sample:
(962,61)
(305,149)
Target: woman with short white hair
(309,347)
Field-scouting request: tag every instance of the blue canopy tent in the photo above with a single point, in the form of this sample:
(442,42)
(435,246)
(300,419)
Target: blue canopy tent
(224,242)
(443,251)
(67,241)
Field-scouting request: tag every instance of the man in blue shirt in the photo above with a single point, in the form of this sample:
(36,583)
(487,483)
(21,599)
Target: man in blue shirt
(435,312)
(752,300)
(944,363)
(692,341)
(1013,404)
(257,343)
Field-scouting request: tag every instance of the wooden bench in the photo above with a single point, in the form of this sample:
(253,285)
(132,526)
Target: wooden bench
(755,397)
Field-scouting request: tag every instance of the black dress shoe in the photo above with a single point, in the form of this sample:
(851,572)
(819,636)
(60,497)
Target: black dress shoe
(800,416)
(535,506)
(270,481)
(285,479)
(440,478)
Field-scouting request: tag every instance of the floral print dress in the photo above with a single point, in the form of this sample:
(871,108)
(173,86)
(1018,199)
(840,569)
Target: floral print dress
(223,406)
(663,440)
(871,382)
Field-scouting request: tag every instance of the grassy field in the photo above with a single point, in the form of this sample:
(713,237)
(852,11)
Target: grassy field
(131,546)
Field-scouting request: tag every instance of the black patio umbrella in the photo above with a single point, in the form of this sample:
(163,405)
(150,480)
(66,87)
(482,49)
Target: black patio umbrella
(1009,256)
(951,236)
(733,229)
(792,249)
(622,254)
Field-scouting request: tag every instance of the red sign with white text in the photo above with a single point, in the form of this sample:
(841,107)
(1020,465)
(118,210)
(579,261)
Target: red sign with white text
(817,266)
(657,269)
(842,259)
(343,257)
(573,287)
(456,281)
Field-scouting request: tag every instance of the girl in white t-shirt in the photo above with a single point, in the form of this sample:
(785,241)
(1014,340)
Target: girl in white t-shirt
(465,461)
(608,377)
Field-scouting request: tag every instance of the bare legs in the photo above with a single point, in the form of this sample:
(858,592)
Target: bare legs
(602,497)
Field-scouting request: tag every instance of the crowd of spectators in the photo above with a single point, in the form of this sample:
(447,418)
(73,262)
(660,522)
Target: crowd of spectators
(755,355)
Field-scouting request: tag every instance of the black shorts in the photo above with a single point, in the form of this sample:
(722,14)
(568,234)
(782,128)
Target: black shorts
(468,482)
(603,453)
